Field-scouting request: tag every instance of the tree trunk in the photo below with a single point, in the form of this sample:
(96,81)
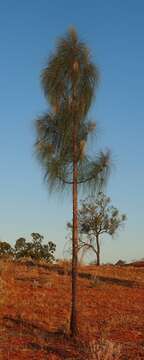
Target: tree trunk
(73,321)
(98,250)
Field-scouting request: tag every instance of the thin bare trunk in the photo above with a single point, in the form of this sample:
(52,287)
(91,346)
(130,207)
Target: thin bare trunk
(73,322)
(98,250)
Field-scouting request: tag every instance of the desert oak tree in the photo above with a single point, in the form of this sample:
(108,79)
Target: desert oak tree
(69,82)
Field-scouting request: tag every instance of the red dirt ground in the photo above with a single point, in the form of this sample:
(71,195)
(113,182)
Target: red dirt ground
(35,311)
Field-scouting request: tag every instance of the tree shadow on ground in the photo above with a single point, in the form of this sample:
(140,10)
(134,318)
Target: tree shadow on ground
(37,338)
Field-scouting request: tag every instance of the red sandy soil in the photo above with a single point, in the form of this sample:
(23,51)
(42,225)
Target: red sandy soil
(35,311)
(139,263)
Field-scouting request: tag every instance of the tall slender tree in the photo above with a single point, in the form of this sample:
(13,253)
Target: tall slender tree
(69,82)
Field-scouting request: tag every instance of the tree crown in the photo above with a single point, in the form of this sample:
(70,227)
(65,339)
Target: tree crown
(98,216)
(69,82)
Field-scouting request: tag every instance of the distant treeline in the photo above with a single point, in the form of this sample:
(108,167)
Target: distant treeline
(35,248)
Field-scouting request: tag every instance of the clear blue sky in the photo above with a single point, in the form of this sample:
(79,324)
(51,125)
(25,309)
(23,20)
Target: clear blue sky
(114,31)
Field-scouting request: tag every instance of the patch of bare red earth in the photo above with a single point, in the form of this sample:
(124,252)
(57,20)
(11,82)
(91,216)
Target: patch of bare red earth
(35,312)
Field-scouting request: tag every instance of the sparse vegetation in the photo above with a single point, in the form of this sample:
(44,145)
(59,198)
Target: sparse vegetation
(35,306)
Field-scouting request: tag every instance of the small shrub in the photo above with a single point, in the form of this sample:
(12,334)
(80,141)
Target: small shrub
(102,350)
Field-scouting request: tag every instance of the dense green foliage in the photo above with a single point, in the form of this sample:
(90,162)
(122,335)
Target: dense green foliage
(34,249)
(5,248)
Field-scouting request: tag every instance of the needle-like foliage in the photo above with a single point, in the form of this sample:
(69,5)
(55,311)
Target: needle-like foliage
(69,82)
(55,151)
(69,66)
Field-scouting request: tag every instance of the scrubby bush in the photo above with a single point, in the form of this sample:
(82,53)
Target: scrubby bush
(33,249)
(5,249)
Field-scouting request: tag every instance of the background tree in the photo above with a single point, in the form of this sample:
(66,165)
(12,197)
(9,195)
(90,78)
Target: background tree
(35,249)
(5,248)
(20,247)
(96,218)
(42,251)
(69,82)
(47,251)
